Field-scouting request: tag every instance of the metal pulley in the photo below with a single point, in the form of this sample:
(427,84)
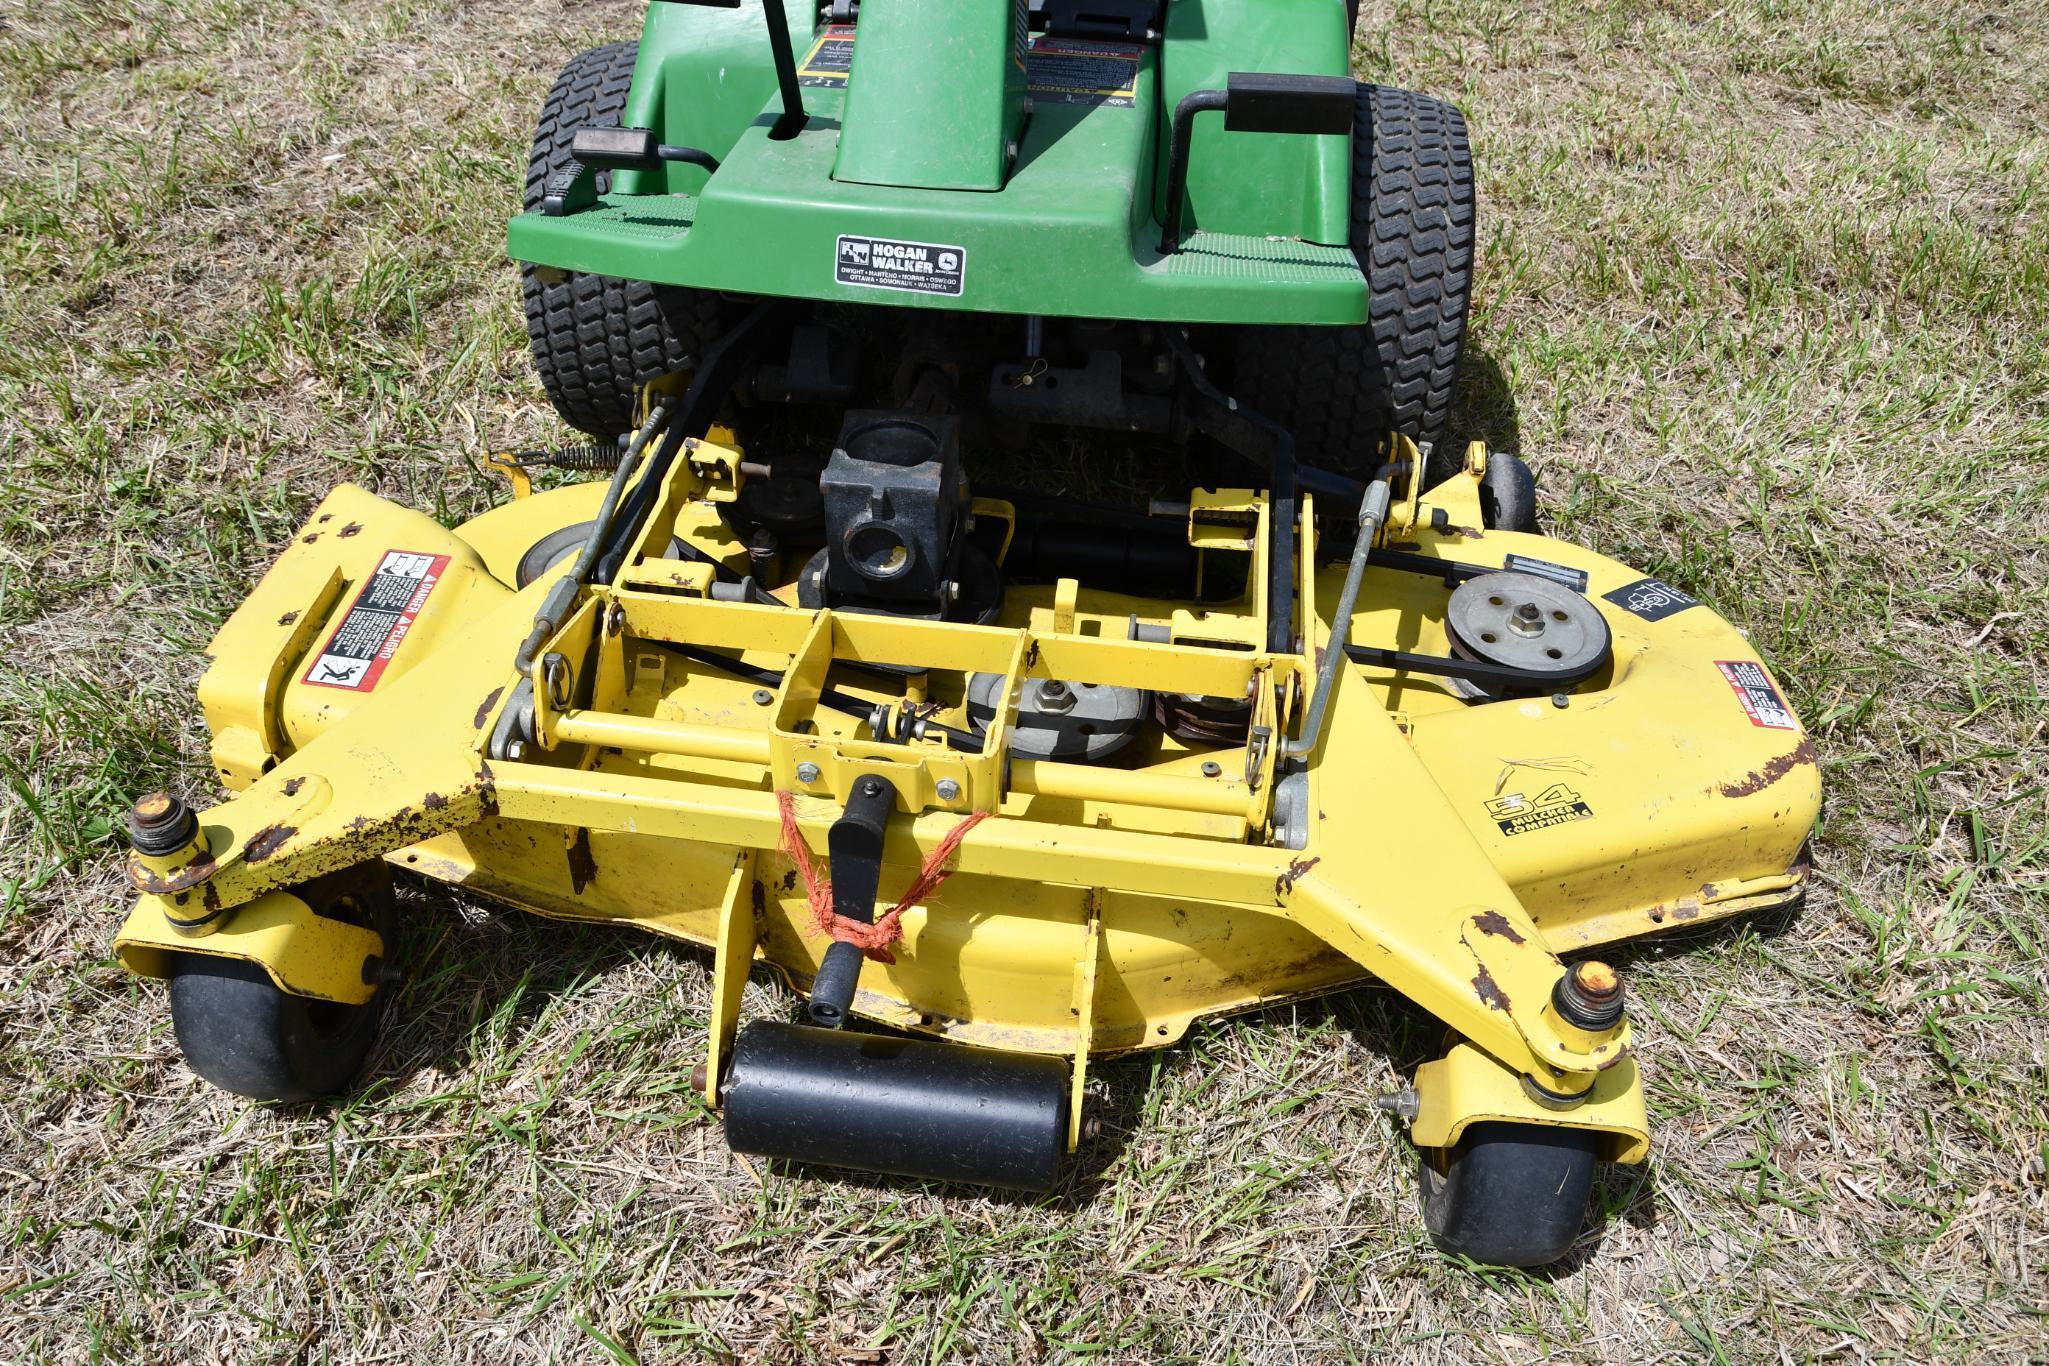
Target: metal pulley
(1062,720)
(1529,623)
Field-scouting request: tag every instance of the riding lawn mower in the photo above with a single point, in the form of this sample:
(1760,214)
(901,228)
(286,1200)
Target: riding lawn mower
(997,780)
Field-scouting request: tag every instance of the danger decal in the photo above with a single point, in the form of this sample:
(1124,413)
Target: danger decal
(914,267)
(1760,700)
(1084,71)
(357,653)
(1651,599)
(1518,813)
(826,65)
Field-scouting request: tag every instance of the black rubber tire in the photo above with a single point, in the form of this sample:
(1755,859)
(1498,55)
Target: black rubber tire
(1509,1194)
(597,339)
(243,1034)
(1341,389)
(1508,494)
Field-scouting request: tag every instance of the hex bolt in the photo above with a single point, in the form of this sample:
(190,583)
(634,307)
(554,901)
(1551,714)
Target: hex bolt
(1211,768)
(1054,696)
(807,773)
(160,824)
(762,697)
(1589,995)
(699,1075)
(948,790)
(515,750)
(1527,620)
(1404,1104)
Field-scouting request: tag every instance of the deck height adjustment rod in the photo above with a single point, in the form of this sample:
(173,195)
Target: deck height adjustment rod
(1372,512)
(555,607)
(854,844)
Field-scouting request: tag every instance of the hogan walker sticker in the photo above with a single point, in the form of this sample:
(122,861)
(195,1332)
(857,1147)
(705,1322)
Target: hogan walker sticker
(1760,700)
(1651,599)
(914,267)
(377,622)
(1518,813)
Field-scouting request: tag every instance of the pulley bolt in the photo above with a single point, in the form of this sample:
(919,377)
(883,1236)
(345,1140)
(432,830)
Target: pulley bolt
(160,825)
(807,773)
(1589,995)
(1527,620)
(948,790)
(1055,696)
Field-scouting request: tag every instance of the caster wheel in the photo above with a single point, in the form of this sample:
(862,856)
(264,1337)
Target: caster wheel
(240,1032)
(1508,494)
(1509,1194)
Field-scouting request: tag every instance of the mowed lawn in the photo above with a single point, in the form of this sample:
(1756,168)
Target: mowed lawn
(1764,298)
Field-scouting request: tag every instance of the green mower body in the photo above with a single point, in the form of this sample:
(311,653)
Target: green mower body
(954,155)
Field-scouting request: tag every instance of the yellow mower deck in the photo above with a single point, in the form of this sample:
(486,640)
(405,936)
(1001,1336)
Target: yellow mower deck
(1451,849)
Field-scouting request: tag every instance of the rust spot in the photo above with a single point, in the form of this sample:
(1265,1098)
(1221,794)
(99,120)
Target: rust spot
(433,801)
(352,529)
(582,867)
(265,842)
(288,618)
(1285,883)
(292,786)
(191,875)
(789,882)
(1495,923)
(484,707)
(1686,910)
(1490,994)
(1488,990)
(1760,779)
(325,517)
(756,897)
(1032,655)
(309,538)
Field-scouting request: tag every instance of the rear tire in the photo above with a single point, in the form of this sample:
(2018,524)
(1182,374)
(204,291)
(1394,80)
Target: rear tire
(1341,390)
(1509,1194)
(597,339)
(239,1031)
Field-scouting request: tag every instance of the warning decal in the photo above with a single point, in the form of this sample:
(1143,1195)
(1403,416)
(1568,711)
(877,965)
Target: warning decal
(1518,814)
(378,621)
(1575,579)
(918,267)
(1761,701)
(830,59)
(1084,71)
(1651,599)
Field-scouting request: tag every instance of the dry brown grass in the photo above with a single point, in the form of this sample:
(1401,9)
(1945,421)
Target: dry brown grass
(1766,302)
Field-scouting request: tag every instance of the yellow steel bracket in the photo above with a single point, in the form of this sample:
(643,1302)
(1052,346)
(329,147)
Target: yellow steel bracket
(1467,1087)
(304,953)
(1406,512)
(1458,497)
(516,474)
(716,463)
(1084,1013)
(731,960)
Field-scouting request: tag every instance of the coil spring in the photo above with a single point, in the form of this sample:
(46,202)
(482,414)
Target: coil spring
(591,457)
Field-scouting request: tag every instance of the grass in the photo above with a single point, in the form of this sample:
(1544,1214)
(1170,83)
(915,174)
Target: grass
(1765,300)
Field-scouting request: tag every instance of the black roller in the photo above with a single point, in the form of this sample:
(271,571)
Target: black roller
(910,1107)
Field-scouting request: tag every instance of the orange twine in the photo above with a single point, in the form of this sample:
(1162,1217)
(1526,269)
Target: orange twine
(872,939)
